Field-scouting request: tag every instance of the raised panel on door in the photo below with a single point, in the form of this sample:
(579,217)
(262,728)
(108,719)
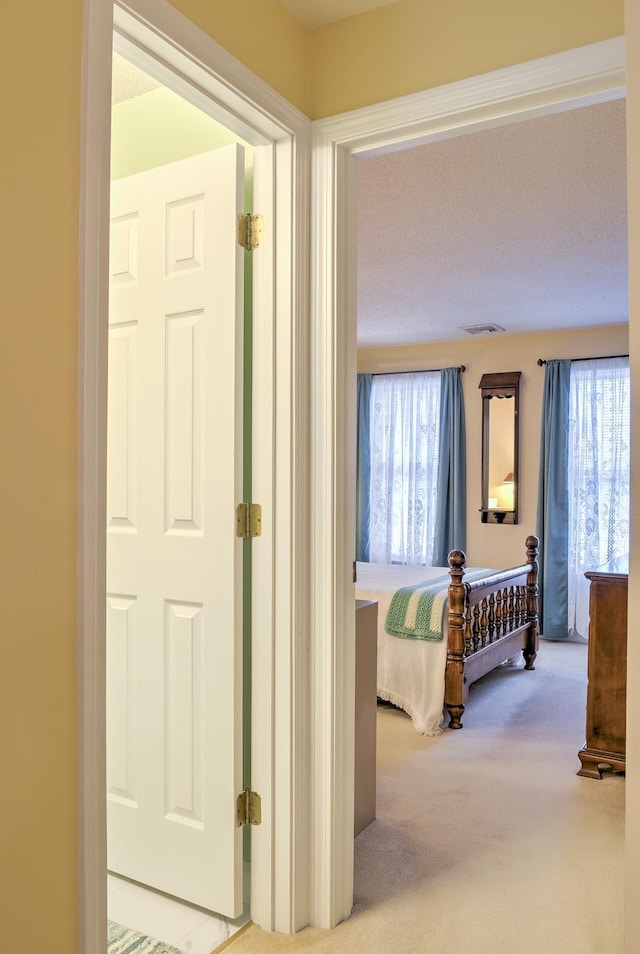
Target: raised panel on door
(122,428)
(121,703)
(184,459)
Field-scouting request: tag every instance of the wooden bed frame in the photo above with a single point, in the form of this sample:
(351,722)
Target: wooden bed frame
(489,620)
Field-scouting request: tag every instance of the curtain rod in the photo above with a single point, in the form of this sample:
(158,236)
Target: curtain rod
(375,374)
(542,361)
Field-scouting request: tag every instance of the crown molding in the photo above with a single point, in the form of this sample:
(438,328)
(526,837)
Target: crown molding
(579,77)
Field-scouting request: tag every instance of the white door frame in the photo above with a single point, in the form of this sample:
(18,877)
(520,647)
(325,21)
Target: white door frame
(578,77)
(163,42)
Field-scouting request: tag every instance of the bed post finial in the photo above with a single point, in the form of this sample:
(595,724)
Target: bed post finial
(457,559)
(531,649)
(532,543)
(453,679)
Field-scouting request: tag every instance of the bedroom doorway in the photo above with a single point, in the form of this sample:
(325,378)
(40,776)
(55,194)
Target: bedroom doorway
(599,128)
(538,88)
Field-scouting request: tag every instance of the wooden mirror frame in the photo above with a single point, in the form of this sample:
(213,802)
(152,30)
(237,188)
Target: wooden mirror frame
(502,385)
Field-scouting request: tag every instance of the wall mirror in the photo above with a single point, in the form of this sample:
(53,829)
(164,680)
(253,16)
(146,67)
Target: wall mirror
(500,447)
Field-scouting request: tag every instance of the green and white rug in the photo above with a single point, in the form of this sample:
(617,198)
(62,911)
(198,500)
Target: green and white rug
(123,941)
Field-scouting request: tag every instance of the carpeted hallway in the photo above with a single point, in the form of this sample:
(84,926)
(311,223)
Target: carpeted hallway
(486,841)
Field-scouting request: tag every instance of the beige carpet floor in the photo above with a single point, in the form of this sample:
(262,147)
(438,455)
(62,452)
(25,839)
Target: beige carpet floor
(486,841)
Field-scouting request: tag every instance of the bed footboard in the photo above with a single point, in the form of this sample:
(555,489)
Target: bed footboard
(489,621)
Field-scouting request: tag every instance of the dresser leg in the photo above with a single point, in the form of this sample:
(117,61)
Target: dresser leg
(594,763)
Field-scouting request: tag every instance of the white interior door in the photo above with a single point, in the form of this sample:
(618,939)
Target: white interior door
(174,707)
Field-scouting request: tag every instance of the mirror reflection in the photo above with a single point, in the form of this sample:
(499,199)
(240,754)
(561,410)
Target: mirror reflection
(500,447)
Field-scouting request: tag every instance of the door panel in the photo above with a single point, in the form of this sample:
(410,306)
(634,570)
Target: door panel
(173,562)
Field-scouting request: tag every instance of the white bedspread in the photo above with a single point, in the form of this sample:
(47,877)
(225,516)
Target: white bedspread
(410,671)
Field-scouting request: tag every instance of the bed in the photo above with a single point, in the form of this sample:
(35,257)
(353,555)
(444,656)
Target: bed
(486,618)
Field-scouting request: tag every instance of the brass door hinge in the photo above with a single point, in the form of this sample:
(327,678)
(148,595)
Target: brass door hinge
(248,808)
(248,520)
(249,231)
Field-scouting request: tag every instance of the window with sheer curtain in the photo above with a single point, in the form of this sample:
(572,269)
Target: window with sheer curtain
(599,465)
(404,443)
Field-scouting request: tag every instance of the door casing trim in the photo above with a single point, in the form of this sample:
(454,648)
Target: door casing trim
(159,38)
(578,77)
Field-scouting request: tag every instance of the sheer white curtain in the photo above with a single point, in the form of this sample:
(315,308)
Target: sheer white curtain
(404,429)
(599,463)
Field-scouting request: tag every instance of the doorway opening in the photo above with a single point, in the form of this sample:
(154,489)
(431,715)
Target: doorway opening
(168,160)
(169,48)
(580,77)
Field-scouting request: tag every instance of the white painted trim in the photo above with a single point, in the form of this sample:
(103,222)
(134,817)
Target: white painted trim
(170,46)
(92,409)
(333,477)
(204,72)
(579,77)
(576,78)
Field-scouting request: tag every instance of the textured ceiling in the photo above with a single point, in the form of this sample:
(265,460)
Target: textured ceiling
(315,13)
(127,81)
(523,225)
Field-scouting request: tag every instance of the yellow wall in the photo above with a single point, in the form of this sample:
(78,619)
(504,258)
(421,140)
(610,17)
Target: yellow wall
(264,36)
(40,92)
(494,544)
(417,44)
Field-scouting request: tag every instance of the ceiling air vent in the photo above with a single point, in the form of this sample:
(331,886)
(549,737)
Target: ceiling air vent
(490,329)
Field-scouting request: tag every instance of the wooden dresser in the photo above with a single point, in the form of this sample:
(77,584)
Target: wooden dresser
(607,670)
(366,713)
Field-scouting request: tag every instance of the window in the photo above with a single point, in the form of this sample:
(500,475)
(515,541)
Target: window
(404,441)
(599,465)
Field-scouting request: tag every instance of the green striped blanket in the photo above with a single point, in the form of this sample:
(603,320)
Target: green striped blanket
(417,611)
